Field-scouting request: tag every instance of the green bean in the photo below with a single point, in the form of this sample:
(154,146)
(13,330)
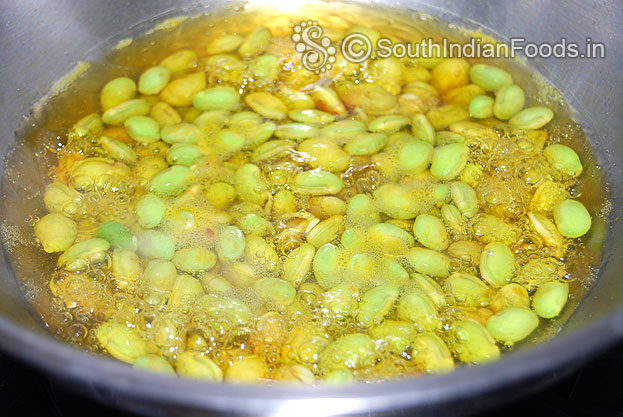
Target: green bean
(250,184)
(546,229)
(267,105)
(185,287)
(325,266)
(55,232)
(247,369)
(217,98)
(471,175)
(394,272)
(444,116)
(118,114)
(294,374)
(371,98)
(390,237)
(59,198)
(117,235)
(464,198)
(197,366)
(228,141)
(449,160)
(297,266)
(432,354)
(497,264)
(296,100)
(193,259)
(550,298)
(97,173)
(180,61)
(296,131)
(453,218)
(571,218)
(467,289)
(171,181)
(489,228)
(150,211)
(80,255)
(353,351)
(338,377)
(259,253)
(341,300)
(324,154)
(415,156)
(117,91)
(223,44)
(229,309)
(327,99)
(153,80)
(121,342)
(431,232)
(361,210)
(212,119)
(429,262)
(318,182)
(430,288)
(467,250)
(275,291)
(155,244)
(311,116)
(160,275)
(181,133)
(126,266)
(445,137)
(420,310)
(230,244)
(181,91)
(509,100)
(183,154)
(396,201)
(512,324)
(215,284)
(422,129)
(255,42)
(532,118)
(343,129)
(375,304)
(153,363)
(564,159)
(473,343)
(489,77)
(481,107)
(366,144)
(396,335)
(326,231)
(91,123)
(510,295)
(265,68)
(284,201)
(221,194)
(388,124)
(164,114)
(304,345)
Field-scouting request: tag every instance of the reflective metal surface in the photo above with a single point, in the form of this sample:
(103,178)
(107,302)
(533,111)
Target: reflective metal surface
(42,40)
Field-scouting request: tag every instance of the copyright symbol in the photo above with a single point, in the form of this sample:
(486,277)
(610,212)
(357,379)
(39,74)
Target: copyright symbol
(356,47)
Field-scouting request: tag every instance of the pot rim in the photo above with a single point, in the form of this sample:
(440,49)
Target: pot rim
(564,352)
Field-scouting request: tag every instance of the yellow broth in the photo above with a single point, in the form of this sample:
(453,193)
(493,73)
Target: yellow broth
(73,304)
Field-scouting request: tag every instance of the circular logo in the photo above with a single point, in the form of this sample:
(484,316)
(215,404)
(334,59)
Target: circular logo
(356,47)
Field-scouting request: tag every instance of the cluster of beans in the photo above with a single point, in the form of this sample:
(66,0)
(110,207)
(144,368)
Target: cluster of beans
(230,215)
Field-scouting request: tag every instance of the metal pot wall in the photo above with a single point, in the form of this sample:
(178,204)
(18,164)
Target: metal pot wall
(41,41)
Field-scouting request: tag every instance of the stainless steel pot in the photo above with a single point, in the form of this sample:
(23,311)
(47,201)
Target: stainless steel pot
(41,41)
